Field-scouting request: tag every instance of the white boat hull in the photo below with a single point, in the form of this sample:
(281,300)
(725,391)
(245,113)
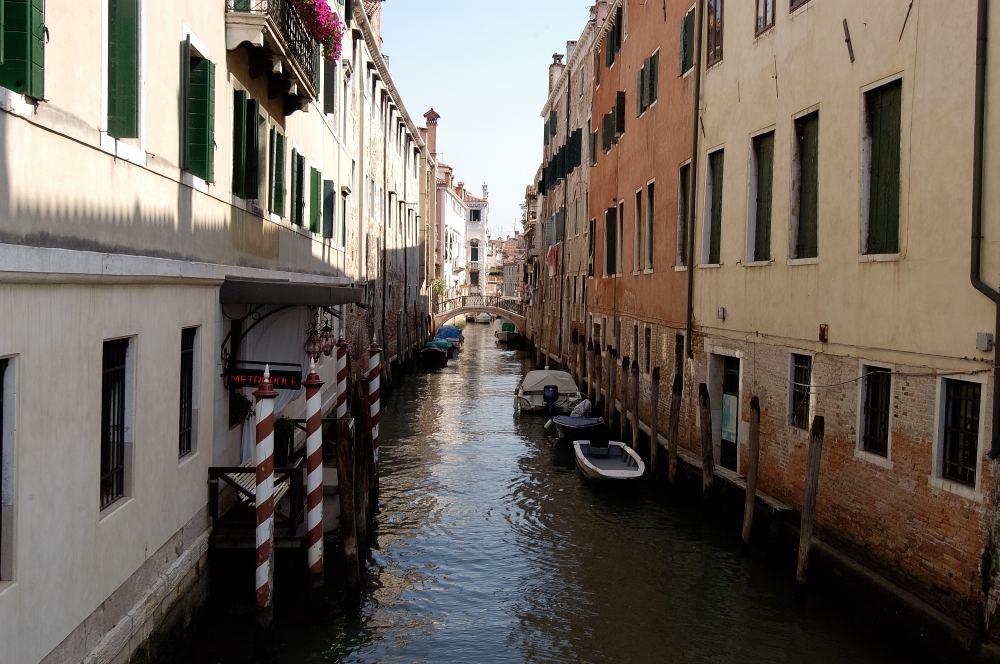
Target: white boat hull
(623,463)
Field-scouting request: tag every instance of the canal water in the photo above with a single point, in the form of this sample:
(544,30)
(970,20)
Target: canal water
(492,548)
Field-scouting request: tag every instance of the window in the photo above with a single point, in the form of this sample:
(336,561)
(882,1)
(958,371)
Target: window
(880,151)
(801,388)
(590,250)
(684,182)
(276,173)
(637,233)
(329,208)
(711,250)
(649,347)
(23,63)
(123,68)
(610,241)
(876,390)
(647,83)
(650,223)
(795,4)
(960,431)
(474,278)
(805,187)
(198,98)
(765,15)
(475,215)
(246,142)
(713,49)
(583,79)
(298,187)
(593,149)
(315,200)
(620,234)
(625,17)
(761,178)
(8,484)
(188,336)
(330,86)
(686,60)
(474,251)
(115,425)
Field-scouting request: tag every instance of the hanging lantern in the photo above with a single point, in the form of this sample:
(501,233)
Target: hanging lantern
(327,341)
(313,346)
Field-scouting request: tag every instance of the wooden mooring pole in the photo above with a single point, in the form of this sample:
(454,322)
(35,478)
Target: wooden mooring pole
(598,387)
(264,506)
(623,421)
(611,408)
(809,503)
(654,419)
(673,428)
(707,451)
(590,373)
(754,440)
(348,521)
(635,404)
(362,457)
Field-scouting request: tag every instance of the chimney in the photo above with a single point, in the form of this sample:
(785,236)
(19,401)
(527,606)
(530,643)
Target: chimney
(555,69)
(431,139)
(460,189)
(486,193)
(373,10)
(570,47)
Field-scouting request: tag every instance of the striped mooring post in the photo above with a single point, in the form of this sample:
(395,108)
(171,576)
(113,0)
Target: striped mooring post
(264,498)
(314,476)
(341,378)
(374,397)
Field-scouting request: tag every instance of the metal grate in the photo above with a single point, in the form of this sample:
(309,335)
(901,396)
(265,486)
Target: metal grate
(187,389)
(961,431)
(291,28)
(801,383)
(877,393)
(113,422)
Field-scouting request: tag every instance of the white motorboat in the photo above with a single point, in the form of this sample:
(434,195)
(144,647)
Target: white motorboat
(531,391)
(613,461)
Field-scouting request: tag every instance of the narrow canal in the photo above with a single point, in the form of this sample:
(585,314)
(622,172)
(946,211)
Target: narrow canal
(491,548)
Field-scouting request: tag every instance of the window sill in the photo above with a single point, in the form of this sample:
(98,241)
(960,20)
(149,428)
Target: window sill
(5,586)
(763,33)
(648,270)
(114,507)
(709,266)
(680,268)
(966,492)
(16,103)
(122,150)
(187,458)
(802,261)
(193,181)
(757,263)
(874,459)
(795,10)
(878,258)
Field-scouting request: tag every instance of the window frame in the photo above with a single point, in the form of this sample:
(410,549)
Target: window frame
(811,392)
(753,196)
(189,393)
(650,223)
(127,443)
(937,479)
(859,448)
(637,224)
(761,25)
(708,217)
(795,203)
(683,215)
(794,5)
(714,33)
(866,172)
(196,178)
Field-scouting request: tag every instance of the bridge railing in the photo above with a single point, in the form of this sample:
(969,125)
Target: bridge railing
(513,306)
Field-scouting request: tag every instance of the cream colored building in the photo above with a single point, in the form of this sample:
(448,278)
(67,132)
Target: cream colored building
(159,157)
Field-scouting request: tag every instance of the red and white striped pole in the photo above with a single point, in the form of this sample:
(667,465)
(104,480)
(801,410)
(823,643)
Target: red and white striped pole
(314,475)
(374,395)
(341,378)
(264,492)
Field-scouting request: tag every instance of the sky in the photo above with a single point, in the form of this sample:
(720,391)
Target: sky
(484,66)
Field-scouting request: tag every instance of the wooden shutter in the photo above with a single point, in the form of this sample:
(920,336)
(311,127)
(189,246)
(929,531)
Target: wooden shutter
(687,42)
(611,245)
(620,114)
(593,149)
(716,162)
(36,49)
(278,184)
(764,155)
(654,76)
(251,181)
(271,145)
(645,84)
(607,128)
(638,94)
(185,99)
(315,200)
(553,122)
(330,88)
(329,208)
(239,142)
(123,68)
(808,135)
(883,193)
(201,118)
(560,224)
(23,47)
(546,134)
(295,213)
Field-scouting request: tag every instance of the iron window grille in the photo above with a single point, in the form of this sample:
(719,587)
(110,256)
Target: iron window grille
(801,386)
(875,425)
(113,421)
(961,431)
(187,390)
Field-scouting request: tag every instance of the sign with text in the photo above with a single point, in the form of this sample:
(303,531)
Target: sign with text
(280,380)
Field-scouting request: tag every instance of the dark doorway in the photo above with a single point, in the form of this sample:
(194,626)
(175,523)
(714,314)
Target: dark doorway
(730,412)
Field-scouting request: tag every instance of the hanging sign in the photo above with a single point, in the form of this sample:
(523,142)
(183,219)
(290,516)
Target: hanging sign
(280,380)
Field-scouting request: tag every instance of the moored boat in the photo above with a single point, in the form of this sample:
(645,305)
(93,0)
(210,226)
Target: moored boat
(451,334)
(577,428)
(484,318)
(507,334)
(531,391)
(433,355)
(614,461)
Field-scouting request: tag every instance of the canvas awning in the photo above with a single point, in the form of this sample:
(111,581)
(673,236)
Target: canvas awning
(238,290)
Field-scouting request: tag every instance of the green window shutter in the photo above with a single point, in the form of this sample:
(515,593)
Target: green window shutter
(638,94)
(808,136)
(23,47)
(546,134)
(883,190)
(271,145)
(315,200)
(553,122)
(239,142)
(185,99)
(330,88)
(654,76)
(295,213)
(764,155)
(200,134)
(687,42)
(716,162)
(300,190)
(329,208)
(644,88)
(277,170)
(123,68)
(251,181)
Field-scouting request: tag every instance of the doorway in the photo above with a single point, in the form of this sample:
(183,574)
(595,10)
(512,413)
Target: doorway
(730,412)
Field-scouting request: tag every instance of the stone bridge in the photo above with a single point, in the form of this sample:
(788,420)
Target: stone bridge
(506,308)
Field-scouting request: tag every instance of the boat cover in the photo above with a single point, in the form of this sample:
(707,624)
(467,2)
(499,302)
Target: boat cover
(448,332)
(439,343)
(577,422)
(508,327)
(534,381)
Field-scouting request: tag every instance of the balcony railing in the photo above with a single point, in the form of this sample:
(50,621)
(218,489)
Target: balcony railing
(289,29)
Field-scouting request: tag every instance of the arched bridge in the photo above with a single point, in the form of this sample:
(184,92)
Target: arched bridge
(506,308)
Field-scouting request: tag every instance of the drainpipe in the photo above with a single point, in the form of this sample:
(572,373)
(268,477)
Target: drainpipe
(977,211)
(693,179)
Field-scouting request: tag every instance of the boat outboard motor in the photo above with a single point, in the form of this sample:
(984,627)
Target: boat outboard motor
(550,394)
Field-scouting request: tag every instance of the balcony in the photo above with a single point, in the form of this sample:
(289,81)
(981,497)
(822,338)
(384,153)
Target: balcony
(473,265)
(278,46)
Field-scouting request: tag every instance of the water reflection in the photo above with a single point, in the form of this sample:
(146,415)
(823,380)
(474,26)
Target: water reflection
(491,548)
